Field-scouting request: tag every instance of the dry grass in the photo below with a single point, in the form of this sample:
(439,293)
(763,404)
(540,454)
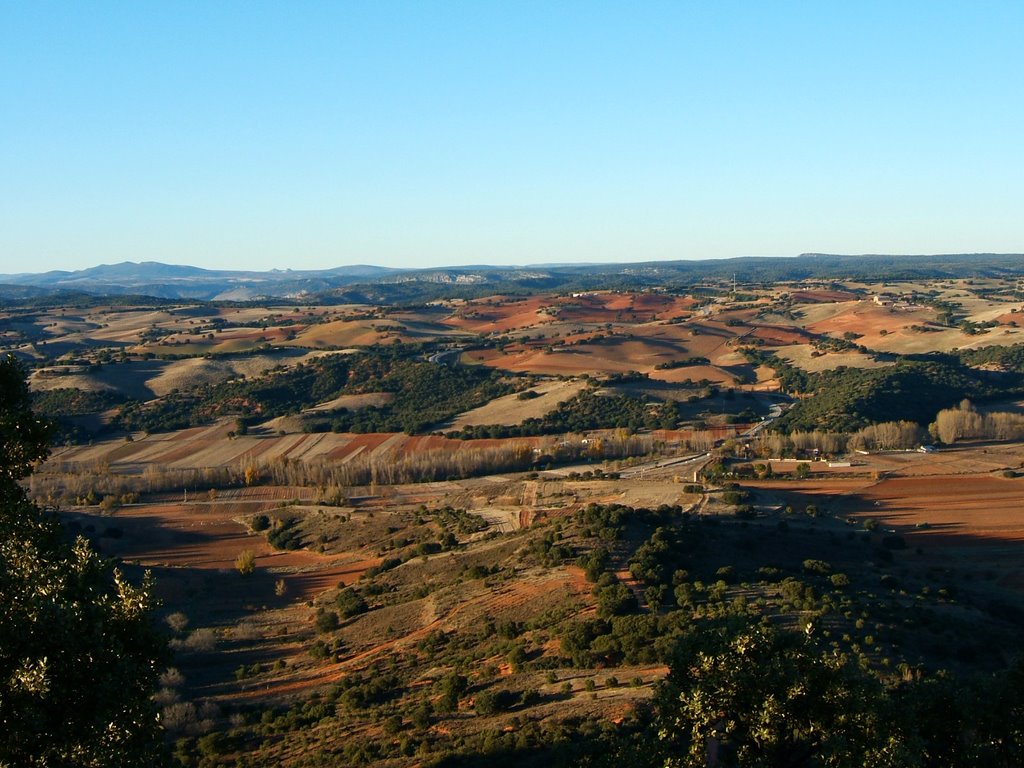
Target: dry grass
(905,341)
(195,372)
(511,410)
(802,356)
(347,333)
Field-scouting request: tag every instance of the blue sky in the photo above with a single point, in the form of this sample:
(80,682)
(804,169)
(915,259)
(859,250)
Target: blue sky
(311,135)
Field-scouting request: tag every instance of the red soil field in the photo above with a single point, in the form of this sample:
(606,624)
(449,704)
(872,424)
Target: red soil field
(864,318)
(425,443)
(439,443)
(530,442)
(666,306)
(710,341)
(676,333)
(184,449)
(590,308)
(616,302)
(833,488)
(779,335)
(821,297)
(573,362)
(591,315)
(309,584)
(205,536)
(981,507)
(945,510)
(622,307)
(694,373)
(483,316)
(358,444)
(1011,318)
(341,452)
(298,443)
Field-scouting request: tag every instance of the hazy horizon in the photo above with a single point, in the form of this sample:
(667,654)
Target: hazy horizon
(533,265)
(262,136)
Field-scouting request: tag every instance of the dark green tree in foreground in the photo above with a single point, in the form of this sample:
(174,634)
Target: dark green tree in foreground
(759,697)
(79,653)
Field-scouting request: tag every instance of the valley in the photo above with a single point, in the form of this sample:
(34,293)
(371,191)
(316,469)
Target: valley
(476,528)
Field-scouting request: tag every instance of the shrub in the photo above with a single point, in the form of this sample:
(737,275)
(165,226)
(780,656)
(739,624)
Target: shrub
(326,621)
(428,548)
(110,503)
(201,641)
(245,563)
(393,725)
(493,702)
(421,715)
(177,621)
(350,603)
(615,600)
(840,580)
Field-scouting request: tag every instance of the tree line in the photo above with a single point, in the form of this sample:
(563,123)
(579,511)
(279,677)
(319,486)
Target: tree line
(916,387)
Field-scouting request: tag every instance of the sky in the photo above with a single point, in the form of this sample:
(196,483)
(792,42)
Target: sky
(309,135)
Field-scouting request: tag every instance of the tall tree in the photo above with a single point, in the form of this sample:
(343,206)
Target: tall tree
(761,697)
(79,652)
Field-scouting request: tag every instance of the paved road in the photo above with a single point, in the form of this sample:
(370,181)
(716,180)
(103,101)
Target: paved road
(446,357)
(639,470)
(773,413)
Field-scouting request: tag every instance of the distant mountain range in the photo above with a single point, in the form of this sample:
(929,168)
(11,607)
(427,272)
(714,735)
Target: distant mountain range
(364,283)
(171,281)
